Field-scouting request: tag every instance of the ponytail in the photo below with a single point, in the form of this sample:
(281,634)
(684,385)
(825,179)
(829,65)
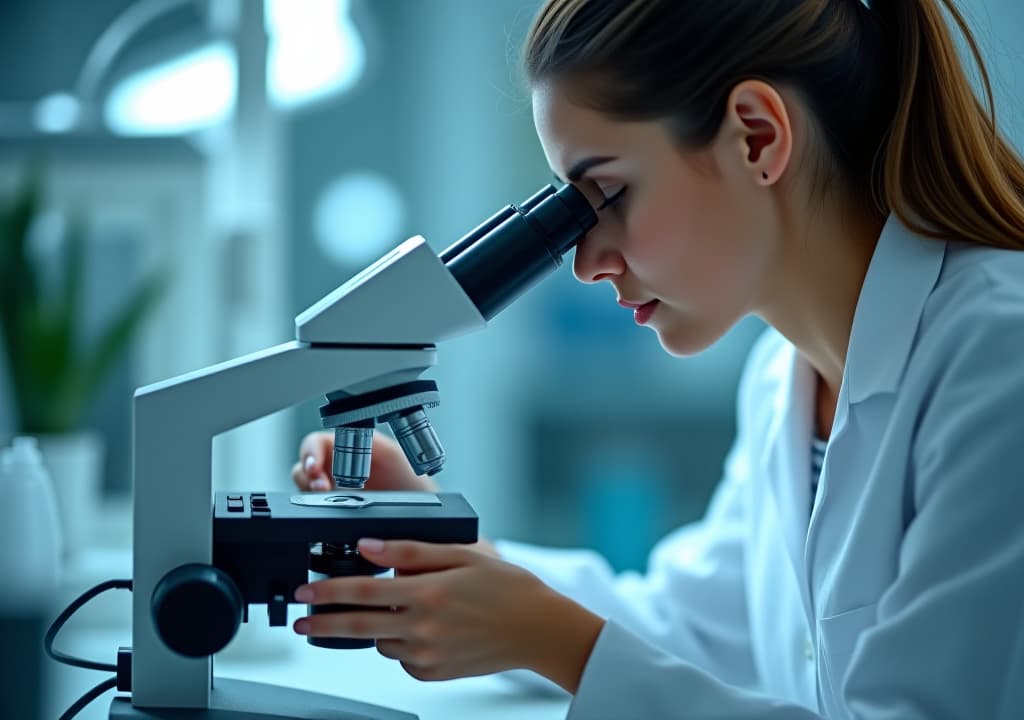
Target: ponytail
(945,169)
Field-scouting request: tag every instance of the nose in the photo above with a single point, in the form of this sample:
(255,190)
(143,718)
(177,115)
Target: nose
(597,257)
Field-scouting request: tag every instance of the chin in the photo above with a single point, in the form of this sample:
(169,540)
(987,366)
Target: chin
(688,341)
(681,351)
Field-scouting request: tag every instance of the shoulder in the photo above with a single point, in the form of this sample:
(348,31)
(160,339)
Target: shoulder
(978,300)
(967,365)
(975,268)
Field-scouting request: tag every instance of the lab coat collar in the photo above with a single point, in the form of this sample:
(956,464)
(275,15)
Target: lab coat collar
(902,273)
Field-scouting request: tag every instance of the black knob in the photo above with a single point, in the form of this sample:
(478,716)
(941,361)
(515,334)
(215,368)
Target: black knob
(196,609)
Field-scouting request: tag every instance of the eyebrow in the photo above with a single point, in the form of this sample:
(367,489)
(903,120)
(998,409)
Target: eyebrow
(577,171)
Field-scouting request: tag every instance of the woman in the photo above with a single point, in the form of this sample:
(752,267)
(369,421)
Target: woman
(823,165)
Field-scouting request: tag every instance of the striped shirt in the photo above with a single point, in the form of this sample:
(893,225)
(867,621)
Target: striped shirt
(817,459)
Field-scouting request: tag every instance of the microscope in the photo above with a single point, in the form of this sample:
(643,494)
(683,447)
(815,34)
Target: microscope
(201,558)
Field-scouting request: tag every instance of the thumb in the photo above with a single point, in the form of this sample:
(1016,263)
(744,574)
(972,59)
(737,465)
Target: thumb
(414,555)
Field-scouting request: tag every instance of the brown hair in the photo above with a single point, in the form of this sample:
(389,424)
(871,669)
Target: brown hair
(900,121)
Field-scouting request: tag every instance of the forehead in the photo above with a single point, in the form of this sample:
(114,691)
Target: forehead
(568,130)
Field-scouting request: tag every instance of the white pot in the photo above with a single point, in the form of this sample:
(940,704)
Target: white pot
(75,462)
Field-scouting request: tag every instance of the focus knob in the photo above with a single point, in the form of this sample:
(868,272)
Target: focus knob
(196,609)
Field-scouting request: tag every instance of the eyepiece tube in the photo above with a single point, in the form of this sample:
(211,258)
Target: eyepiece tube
(534,200)
(478,232)
(515,248)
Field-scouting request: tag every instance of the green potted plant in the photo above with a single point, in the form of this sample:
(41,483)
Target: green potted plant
(53,373)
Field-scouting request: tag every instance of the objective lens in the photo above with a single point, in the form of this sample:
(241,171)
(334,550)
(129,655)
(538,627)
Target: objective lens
(419,441)
(353,445)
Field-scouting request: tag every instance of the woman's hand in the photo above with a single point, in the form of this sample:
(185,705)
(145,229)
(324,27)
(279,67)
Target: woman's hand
(456,611)
(389,468)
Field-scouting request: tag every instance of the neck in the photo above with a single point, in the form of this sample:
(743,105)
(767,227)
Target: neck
(817,282)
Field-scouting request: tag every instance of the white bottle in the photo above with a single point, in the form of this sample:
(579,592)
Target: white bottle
(31,543)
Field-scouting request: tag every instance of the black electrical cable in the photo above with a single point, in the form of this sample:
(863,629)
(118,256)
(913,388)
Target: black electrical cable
(88,698)
(71,610)
(60,657)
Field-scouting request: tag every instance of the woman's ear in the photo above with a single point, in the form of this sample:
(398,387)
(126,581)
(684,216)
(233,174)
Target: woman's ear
(759,134)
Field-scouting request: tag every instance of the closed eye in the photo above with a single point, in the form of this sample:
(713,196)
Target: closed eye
(613,198)
(609,200)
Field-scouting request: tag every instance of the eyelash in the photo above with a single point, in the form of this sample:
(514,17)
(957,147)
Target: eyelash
(613,199)
(608,202)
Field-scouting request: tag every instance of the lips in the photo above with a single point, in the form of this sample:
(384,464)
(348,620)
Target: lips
(642,314)
(642,311)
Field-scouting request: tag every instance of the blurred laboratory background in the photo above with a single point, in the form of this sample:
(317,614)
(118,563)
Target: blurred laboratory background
(189,175)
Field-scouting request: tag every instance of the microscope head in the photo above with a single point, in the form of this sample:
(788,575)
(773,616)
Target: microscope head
(492,265)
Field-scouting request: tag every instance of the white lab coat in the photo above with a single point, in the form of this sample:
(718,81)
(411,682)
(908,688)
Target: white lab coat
(902,595)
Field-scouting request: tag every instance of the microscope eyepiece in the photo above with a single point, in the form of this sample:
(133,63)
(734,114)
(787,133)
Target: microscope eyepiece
(517,246)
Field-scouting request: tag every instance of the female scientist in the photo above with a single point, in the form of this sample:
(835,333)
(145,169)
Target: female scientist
(825,166)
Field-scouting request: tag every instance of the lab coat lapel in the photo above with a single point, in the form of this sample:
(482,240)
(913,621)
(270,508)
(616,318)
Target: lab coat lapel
(787,457)
(902,273)
(901,276)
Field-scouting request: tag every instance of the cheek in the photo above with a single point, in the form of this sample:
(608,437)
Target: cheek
(690,244)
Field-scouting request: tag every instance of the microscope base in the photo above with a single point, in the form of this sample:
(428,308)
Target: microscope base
(243,700)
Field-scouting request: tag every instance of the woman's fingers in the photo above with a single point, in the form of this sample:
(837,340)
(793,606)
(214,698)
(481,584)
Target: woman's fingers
(386,603)
(397,607)
(414,556)
(453,611)
(417,659)
(312,471)
(392,648)
(306,479)
(367,624)
(359,590)
(299,477)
